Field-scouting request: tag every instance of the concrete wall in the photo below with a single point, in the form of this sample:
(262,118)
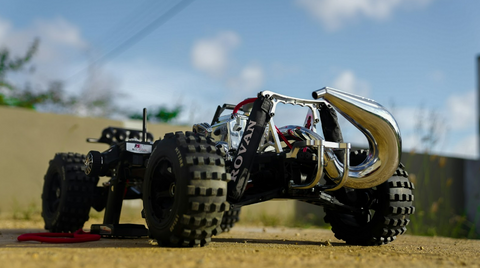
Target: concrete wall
(440,199)
(30,139)
(437,179)
(472,191)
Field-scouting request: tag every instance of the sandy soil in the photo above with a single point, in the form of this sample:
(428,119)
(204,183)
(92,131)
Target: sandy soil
(242,247)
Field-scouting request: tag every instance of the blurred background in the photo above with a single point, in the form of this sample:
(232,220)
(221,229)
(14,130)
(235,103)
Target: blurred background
(106,60)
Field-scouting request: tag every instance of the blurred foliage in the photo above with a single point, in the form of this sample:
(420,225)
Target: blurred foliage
(96,99)
(30,99)
(161,114)
(11,95)
(9,64)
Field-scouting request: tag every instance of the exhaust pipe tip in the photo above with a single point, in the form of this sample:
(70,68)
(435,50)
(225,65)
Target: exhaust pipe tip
(318,93)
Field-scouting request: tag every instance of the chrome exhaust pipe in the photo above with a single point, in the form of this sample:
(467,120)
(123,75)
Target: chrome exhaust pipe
(381,131)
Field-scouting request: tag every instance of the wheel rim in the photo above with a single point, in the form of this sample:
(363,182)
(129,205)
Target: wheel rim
(366,200)
(162,195)
(88,164)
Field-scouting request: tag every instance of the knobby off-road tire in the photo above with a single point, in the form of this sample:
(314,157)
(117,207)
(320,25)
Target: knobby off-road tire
(389,204)
(184,190)
(230,218)
(67,193)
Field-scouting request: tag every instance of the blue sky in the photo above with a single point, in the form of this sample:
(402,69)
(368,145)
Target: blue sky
(416,57)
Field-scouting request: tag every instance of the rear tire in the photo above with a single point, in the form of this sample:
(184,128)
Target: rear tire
(184,190)
(388,207)
(230,218)
(67,193)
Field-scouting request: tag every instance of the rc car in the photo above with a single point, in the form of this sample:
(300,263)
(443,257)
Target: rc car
(194,184)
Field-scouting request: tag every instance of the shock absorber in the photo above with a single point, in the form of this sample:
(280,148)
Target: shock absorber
(243,161)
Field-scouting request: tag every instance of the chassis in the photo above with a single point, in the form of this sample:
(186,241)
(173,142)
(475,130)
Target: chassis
(194,184)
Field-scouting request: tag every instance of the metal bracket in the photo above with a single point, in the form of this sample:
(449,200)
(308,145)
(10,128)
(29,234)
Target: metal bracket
(278,98)
(320,145)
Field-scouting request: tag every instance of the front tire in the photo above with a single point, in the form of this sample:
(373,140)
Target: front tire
(67,193)
(184,190)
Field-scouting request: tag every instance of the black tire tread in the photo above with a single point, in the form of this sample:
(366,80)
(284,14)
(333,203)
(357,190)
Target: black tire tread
(229,219)
(206,191)
(75,205)
(391,221)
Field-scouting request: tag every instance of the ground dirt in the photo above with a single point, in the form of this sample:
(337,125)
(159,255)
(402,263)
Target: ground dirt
(244,246)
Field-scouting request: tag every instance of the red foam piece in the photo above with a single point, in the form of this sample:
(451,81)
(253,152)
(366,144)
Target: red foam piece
(78,236)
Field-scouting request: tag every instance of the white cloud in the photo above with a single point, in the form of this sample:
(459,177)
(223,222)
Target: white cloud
(61,47)
(422,129)
(211,55)
(410,142)
(250,79)
(60,31)
(334,14)
(144,84)
(405,116)
(453,129)
(4,29)
(56,35)
(347,81)
(467,147)
(462,110)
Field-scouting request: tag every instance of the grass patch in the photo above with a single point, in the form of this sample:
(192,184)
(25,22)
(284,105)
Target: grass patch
(438,210)
(28,212)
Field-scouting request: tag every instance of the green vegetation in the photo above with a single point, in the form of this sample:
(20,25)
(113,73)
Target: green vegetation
(27,213)
(160,114)
(27,97)
(435,188)
(7,64)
